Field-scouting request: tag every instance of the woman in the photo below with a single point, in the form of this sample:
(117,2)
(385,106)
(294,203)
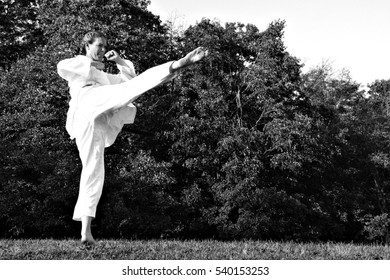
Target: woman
(100,105)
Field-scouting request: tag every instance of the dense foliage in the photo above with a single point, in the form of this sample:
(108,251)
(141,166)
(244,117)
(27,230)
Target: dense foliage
(243,145)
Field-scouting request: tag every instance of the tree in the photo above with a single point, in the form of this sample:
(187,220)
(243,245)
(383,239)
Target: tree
(372,126)
(20,31)
(241,135)
(336,180)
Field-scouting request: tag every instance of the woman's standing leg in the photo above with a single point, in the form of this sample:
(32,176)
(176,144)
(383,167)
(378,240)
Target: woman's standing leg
(91,151)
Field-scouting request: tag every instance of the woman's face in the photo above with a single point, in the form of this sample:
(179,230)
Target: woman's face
(97,49)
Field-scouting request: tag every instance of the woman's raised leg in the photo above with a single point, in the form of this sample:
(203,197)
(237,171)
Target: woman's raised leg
(111,97)
(191,58)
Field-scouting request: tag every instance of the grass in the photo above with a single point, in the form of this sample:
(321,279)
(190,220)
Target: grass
(41,249)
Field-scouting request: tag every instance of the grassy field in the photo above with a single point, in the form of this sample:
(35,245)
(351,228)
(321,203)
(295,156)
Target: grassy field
(187,250)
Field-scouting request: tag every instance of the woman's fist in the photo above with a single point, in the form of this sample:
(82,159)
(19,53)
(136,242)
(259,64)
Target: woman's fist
(113,56)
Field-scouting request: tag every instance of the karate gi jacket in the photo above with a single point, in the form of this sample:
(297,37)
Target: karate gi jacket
(82,79)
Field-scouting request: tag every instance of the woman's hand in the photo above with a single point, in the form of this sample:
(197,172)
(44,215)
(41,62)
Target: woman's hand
(113,56)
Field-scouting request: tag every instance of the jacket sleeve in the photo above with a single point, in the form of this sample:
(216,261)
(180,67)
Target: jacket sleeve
(126,73)
(72,68)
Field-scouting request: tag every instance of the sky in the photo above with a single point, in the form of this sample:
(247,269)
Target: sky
(350,34)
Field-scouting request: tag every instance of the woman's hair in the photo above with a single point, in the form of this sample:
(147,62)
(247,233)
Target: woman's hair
(89,38)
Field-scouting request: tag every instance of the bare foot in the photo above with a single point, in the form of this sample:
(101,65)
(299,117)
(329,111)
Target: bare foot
(87,239)
(191,58)
(86,235)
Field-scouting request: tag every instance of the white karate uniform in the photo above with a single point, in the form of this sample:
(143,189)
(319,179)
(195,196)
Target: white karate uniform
(100,105)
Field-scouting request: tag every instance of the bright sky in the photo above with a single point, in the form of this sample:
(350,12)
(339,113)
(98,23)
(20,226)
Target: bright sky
(352,34)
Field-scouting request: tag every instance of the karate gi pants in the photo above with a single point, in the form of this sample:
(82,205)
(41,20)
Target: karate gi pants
(100,107)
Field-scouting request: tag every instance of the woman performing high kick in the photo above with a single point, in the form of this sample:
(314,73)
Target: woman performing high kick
(100,105)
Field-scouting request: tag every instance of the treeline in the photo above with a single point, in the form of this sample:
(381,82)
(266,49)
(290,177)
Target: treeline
(244,145)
